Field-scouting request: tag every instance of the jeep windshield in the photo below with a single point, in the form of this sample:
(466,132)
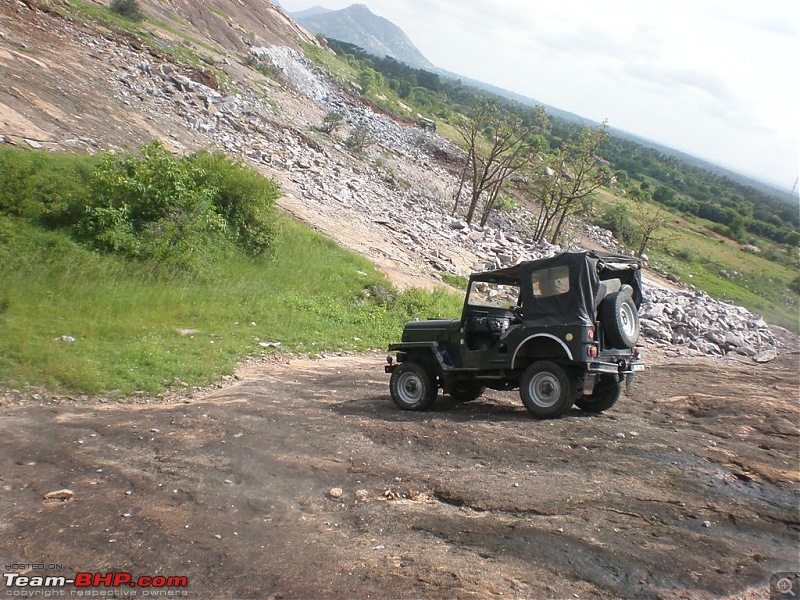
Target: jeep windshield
(493,295)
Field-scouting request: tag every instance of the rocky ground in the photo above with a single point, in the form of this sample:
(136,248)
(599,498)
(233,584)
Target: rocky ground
(301,479)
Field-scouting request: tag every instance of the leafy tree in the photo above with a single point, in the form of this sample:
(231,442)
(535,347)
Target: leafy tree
(664,194)
(369,79)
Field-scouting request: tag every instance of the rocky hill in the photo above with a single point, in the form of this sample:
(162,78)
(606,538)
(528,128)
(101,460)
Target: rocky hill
(69,86)
(358,25)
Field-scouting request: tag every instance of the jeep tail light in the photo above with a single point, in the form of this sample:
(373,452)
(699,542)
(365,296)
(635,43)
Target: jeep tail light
(591,334)
(593,351)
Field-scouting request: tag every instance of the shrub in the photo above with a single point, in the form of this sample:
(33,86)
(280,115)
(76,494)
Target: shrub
(359,140)
(331,122)
(127,8)
(180,212)
(153,207)
(243,197)
(506,203)
(618,220)
(42,185)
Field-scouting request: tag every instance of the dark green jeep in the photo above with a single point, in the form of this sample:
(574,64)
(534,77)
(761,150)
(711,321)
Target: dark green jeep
(563,330)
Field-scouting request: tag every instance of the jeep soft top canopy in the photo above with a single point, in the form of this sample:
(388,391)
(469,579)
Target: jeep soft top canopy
(575,302)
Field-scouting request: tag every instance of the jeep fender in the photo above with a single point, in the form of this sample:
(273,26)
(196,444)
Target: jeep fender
(540,345)
(429,353)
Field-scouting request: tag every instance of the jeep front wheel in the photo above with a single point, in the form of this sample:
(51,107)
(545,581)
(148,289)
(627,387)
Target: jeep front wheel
(412,386)
(547,391)
(605,394)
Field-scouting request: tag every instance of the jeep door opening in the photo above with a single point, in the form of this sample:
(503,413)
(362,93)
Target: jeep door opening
(562,329)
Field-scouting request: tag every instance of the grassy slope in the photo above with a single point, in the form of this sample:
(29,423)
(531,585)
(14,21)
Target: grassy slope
(313,297)
(717,265)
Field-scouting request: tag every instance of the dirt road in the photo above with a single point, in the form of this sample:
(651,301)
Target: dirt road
(302,480)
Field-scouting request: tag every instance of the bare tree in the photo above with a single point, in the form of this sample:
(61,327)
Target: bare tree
(496,145)
(647,223)
(565,182)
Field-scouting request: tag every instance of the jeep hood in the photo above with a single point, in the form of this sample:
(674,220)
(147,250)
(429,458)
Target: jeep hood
(430,330)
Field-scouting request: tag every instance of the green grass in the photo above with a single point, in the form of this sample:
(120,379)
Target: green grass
(126,316)
(326,60)
(457,281)
(717,265)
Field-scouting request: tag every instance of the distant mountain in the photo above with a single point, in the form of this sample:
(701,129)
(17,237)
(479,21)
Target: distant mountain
(358,25)
(309,12)
(504,93)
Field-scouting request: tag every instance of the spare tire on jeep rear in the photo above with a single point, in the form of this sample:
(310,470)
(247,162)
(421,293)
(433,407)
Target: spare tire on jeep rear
(620,318)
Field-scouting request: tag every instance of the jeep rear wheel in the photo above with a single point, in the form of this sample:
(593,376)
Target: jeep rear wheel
(547,391)
(605,394)
(467,392)
(412,386)
(620,319)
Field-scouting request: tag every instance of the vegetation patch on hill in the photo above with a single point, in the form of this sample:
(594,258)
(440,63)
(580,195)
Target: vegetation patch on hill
(80,310)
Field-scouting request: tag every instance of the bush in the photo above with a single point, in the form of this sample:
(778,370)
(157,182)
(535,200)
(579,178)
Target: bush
(43,185)
(331,122)
(618,220)
(506,203)
(152,206)
(359,140)
(179,212)
(243,197)
(127,8)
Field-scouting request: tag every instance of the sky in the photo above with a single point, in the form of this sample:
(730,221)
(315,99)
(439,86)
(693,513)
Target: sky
(718,79)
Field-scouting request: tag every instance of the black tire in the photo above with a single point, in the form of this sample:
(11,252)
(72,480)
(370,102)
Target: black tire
(412,386)
(547,390)
(467,392)
(605,394)
(620,319)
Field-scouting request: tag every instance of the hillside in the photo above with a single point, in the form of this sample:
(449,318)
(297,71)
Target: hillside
(358,25)
(58,108)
